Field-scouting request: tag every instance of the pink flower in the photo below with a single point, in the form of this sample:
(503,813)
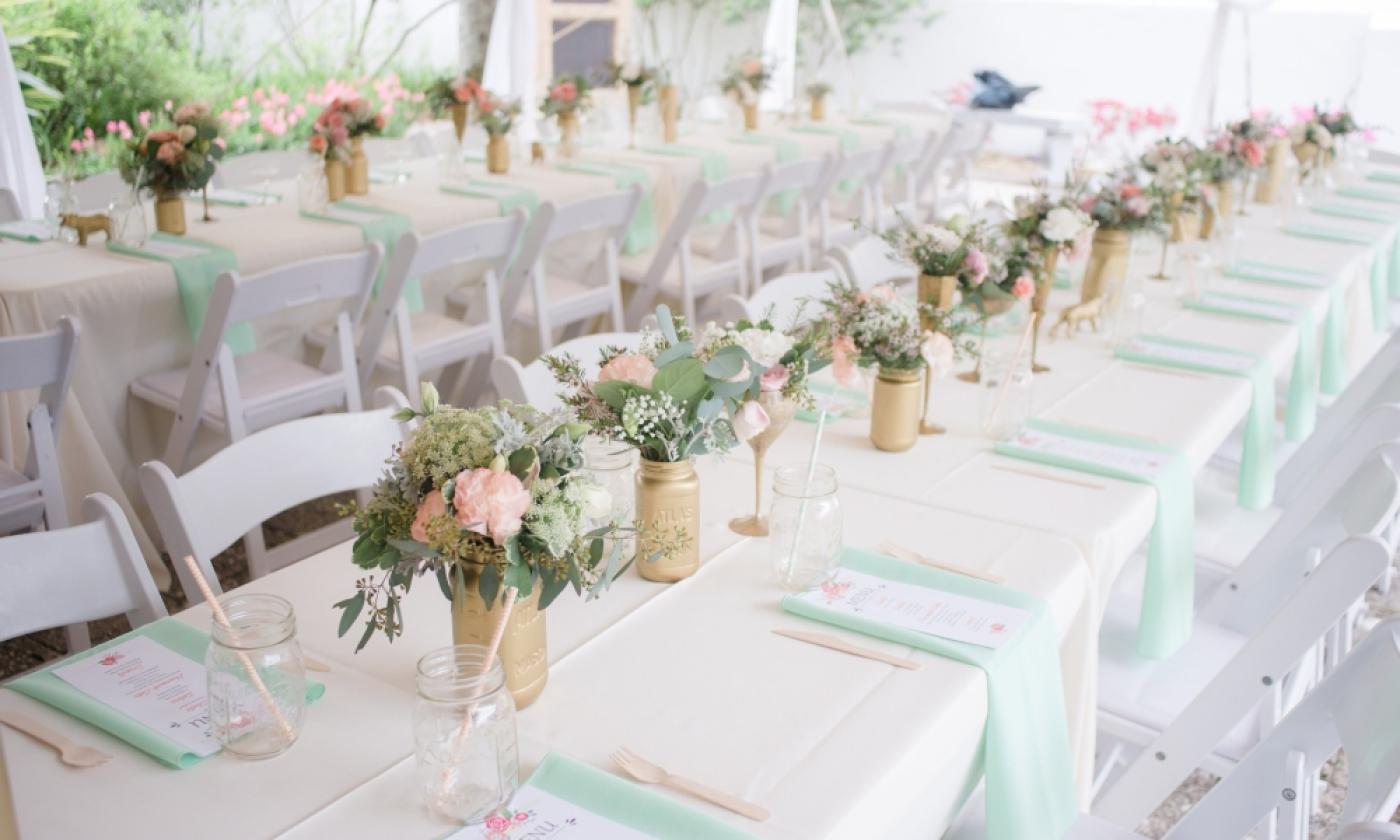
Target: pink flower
(884,292)
(774,379)
(1129,190)
(565,92)
(628,367)
(170,152)
(144,118)
(1138,206)
(76,145)
(111,126)
(1368,135)
(936,349)
(1304,113)
(752,67)
(843,366)
(976,265)
(432,506)
(497,822)
(490,502)
(88,134)
(1252,152)
(750,420)
(1024,286)
(1087,203)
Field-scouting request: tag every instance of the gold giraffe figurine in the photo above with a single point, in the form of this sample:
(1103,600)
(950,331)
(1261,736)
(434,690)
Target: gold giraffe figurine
(1072,317)
(536,153)
(86,225)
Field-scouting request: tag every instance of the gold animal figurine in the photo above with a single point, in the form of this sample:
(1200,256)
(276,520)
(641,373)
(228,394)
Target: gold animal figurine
(536,153)
(86,225)
(1073,316)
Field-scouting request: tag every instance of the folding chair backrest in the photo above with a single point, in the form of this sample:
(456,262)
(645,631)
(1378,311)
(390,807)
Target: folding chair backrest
(1354,710)
(254,168)
(869,263)
(9,206)
(210,507)
(1374,426)
(534,385)
(813,176)
(74,575)
(1256,670)
(789,300)
(44,361)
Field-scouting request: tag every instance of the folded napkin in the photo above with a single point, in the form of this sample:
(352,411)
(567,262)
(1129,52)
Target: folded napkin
(1329,234)
(1370,193)
(241,198)
(184,639)
(27,230)
(784,149)
(1301,416)
(388,175)
(197,265)
(619,801)
(1168,591)
(1256,489)
(1334,368)
(641,235)
(1063,279)
(1382,269)
(1395,268)
(382,226)
(837,400)
(1353,211)
(508,197)
(1025,749)
(1384,176)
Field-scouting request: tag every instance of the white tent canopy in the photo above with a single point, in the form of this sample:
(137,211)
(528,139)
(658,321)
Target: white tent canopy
(20,170)
(509,69)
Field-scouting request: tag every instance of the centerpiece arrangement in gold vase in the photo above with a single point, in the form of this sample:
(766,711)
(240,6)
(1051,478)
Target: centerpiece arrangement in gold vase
(744,81)
(1119,208)
(1234,153)
(170,162)
(349,120)
(497,117)
(493,504)
(1340,125)
(1041,227)
(330,140)
(899,338)
(638,79)
(817,92)
(1174,171)
(565,100)
(1312,143)
(670,403)
(455,96)
(668,103)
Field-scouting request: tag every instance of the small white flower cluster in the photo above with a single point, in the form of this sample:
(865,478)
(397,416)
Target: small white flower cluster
(889,328)
(652,417)
(943,238)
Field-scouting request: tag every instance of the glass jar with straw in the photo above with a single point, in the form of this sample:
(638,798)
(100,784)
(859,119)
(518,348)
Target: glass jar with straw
(805,523)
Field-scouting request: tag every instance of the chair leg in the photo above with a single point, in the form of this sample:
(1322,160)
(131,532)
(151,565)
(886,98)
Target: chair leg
(76,638)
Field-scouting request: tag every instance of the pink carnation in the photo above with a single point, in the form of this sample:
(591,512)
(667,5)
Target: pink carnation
(432,506)
(843,366)
(628,367)
(1024,286)
(774,379)
(490,503)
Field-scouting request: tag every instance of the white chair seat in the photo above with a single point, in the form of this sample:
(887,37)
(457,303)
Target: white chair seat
(433,334)
(633,269)
(971,824)
(707,242)
(266,380)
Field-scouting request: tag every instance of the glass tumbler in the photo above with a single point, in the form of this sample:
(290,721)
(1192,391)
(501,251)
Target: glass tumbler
(1007,386)
(804,527)
(313,195)
(129,219)
(257,679)
(612,465)
(464,734)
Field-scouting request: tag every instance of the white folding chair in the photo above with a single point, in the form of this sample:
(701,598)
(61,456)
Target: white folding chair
(780,240)
(847,212)
(673,268)
(33,495)
(70,576)
(207,509)
(788,301)
(95,193)
(905,171)
(868,262)
(534,385)
(255,168)
(591,287)
(9,206)
(258,389)
(426,340)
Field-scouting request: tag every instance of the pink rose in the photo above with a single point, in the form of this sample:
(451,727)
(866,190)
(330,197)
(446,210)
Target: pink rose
(497,822)
(144,118)
(1252,152)
(1129,190)
(752,67)
(565,92)
(1087,203)
(774,379)
(490,502)
(432,506)
(628,367)
(1024,286)
(170,152)
(843,366)
(1138,206)
(750,420)
(976,265)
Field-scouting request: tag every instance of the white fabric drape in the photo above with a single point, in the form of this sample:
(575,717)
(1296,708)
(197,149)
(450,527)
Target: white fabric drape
(509,70)
(20,171)
(780,52)
(1202,113)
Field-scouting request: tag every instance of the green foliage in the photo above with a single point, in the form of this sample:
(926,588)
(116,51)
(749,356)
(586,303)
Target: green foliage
(30,29)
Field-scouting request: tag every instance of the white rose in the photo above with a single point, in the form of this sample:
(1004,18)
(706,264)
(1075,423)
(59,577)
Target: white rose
(1062,224)
(944,239)
(631,70)
(937,352)
(764,346)
(595,500)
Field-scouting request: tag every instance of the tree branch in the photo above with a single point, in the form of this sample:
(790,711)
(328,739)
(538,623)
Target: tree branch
(403,39)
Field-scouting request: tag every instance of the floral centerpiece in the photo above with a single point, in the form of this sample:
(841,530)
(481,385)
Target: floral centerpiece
(1311,139)
(1119,208)
(1041,228)
(337,135)
(175,160)
(745,79)
(566,99)
(817,92)
(950,256)
(638,79)
(455,95)
(1175,174)
(497,117)
(491,502)
(899,337)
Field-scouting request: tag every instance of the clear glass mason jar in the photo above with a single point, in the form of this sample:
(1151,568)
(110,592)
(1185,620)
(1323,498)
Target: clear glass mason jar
(313,195)
(464,734)
(613,466)
(255,666)
(1007,386)
(128,217)
(804,527)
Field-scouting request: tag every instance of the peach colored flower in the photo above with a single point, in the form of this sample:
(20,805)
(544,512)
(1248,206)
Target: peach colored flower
(1129,191)
(317,143)
(432,506)
(884,292)
(170,152)
(163,136)
(774,379)
(1024,287)
(628,367)
(843,366)
(490,503)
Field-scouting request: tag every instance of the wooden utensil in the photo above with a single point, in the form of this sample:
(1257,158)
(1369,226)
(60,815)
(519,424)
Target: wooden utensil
(69,751)
(648,773)
(903,553)
(836,643)
(1048,477)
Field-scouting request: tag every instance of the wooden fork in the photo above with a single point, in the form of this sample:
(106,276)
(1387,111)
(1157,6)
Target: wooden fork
(69,752)
(646,772)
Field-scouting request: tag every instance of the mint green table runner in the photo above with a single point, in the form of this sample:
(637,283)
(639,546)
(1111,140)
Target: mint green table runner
(641,235)
(184,639)
(849,137)
(1355,211)
(1328,234)
(508,197)
(1384,177)
(713,167)
(625,802)
(1370,194)
(1025,746)
(1256,483)
(1168,591)
(1301,416)
(27,230)
(1334,365)
(838,401)
(382,226)
(197,265)
(784,150)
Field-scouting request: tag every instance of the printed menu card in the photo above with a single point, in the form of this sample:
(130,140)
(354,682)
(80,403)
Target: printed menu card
(535,813)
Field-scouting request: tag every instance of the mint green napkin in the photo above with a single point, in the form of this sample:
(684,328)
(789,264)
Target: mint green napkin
(195,276)
(1386,177)
(784,150)
(641,235)
(1353,211)
(386,229)
(27,230)
(626,802)
(1301,416)
(713,167)
(849,137)
(1334,364)
(1063,279)
(1256,489)
(1395,268)
(1025,746)
(1370,194)
(1328,234)
(1382,263)
(180,637)
(839,400)
(508,197)
(1168,592)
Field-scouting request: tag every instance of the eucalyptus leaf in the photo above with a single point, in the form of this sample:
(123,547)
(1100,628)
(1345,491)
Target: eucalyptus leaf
(614,392)
(413,548)
(350,608)
(728,362)
(490,584)
(684,381)
(666,323)
(675,352)
(550,587)
(364,640)
(442,582)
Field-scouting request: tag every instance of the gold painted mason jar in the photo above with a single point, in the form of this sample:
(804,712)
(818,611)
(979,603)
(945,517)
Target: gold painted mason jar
(751,116)
(1270,185)
(335,180)
(568,134)
(818,112)
(459,120)
(937,290)
(524,653)
(357,182)
(666,102)
(894,409)
(497,154)
(1108,263)
(668,501)
(170,213)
